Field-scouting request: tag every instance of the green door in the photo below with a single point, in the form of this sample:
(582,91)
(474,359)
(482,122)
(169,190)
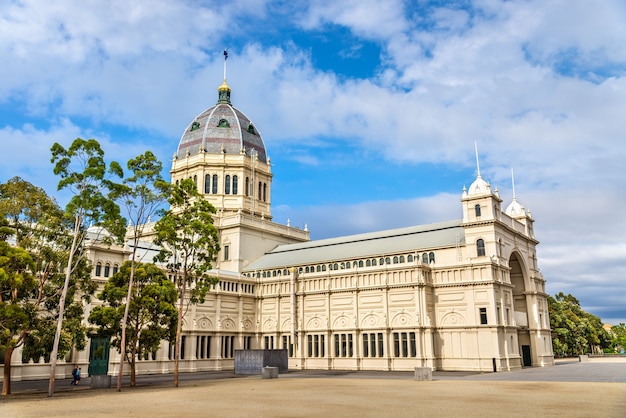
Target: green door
(99,356)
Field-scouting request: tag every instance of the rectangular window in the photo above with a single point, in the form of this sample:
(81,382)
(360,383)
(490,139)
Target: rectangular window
(381,346)
(226,252)
(405,347)
(182,347)
(344,345)
(365,346)
(413,344)
(269,342)
(483,316)
(208,347)
(396,344)
(316,345)
(310,340)
(350,346)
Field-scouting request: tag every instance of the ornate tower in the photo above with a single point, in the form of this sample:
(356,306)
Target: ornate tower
(224,153)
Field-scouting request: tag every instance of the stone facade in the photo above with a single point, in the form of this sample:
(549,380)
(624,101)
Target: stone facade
(460,295)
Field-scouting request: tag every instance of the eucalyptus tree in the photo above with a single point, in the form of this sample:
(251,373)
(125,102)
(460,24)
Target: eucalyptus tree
(150,310)
(574,331)
(84,172)
(140,195)
(189,241)
(38,232)
(16,283)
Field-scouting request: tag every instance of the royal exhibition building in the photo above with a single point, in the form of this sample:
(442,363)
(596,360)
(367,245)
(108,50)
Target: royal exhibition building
(463,295)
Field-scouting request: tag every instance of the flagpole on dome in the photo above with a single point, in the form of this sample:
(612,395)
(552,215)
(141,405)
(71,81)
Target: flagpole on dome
(223,91)
(225,58)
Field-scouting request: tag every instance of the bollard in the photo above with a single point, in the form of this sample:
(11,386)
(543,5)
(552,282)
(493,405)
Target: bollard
(423,373)
(269,373)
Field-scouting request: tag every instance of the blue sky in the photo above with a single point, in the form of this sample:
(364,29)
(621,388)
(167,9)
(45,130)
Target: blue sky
(369,109)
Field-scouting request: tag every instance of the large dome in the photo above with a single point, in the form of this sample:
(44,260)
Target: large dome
(222,129)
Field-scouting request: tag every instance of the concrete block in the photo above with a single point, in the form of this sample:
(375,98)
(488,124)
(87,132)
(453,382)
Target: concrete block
(583,358)
(423,373)
(100,382)
(269,372)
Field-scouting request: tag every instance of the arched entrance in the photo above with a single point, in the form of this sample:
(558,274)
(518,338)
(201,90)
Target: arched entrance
(520,308)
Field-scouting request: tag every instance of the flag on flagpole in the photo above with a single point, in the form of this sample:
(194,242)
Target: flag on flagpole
(225,55)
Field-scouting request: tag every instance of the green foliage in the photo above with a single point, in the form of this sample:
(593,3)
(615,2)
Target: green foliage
(83,171)
(189,240)
(618,338)
(42,247)
(144,191)
(152,311)
(189,243)
(574,331)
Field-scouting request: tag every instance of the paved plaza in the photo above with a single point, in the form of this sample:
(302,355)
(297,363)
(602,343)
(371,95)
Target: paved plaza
(593,389)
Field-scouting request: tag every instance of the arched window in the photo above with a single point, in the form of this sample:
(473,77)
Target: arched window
(247,186)
(480,247)
(402,259)
(318,268)
(395,260)
(373,262)
(115,268)
(98,269)
(330,267)
(177,182)
(409,258)
(207,184)
(235,184)
(214,185)
(323,267)
(306,270)
(477,210)
(425,258)
(335,266)
(107,269)
(368,263)
(195,180)
(360,263)
(227,184)
(387,260)
(265,192)
(431,257)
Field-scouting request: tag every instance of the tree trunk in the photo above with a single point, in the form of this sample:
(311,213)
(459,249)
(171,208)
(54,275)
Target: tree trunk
(57,335)
(6,383)
(133,380)
(179,326)
(125,317)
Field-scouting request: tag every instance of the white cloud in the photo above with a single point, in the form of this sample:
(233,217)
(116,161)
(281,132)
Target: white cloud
(539,85)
